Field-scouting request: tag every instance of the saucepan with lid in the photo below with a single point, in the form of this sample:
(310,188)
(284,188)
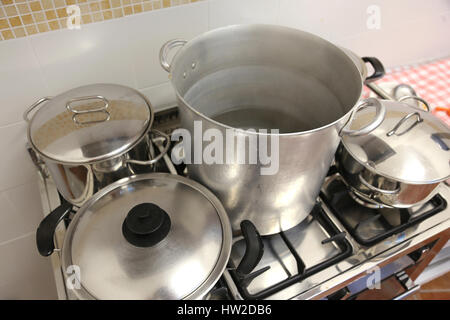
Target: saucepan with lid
(91,136)
(401,162)
(148,236)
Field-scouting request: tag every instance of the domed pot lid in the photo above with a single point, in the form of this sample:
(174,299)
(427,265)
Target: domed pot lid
(151,236)
(410,145)
(90,123)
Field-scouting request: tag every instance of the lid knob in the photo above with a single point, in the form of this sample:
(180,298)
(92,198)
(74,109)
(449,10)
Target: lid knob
(146,224)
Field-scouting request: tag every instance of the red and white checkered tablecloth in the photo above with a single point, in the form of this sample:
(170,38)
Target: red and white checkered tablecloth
(430,80)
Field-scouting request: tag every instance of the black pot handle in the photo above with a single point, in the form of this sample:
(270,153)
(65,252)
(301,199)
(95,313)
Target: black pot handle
(378,68)
(47,227)
(254,248)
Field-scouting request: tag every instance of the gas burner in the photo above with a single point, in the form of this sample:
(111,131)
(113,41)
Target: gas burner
(291,256)
(368,223)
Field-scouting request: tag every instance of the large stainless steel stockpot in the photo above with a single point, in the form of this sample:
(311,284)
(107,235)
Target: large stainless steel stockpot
(149,236)
(91,136)
(271,77)
(399,164)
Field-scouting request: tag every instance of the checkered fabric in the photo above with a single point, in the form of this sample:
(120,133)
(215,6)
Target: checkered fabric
(430,80)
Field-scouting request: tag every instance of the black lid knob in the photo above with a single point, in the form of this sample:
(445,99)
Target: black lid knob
(145,225)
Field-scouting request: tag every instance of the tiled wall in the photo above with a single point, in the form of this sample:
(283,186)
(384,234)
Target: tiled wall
(125,51)
(20,18)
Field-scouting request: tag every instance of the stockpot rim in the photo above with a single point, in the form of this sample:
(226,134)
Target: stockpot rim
(345,118)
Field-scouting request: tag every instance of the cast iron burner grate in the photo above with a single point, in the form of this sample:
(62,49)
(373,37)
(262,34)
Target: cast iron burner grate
(344,250)
(369,226)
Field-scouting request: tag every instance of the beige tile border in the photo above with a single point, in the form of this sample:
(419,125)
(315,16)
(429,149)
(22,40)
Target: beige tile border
(21,18)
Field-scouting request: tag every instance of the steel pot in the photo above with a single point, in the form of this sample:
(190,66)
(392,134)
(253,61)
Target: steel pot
(91,136)
(399,164)
(149,236)
(262,76)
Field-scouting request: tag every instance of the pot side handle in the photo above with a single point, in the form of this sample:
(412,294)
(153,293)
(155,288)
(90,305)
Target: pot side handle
(164,52)
(34,106)
(254,248)
(380,113)
(166,147)
(378,69)
(47,227)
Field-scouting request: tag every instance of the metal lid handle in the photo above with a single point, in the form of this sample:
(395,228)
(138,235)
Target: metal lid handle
(377,120)
(101,109)
(403,120)
(165,49)
(427,106)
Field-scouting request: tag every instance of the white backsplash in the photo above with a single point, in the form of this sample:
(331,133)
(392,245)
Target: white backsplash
(126,50)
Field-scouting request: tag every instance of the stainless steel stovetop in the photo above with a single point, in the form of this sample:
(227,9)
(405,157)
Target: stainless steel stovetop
(356,260)
(310,261)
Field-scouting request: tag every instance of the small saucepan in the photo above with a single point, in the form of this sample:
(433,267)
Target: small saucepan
(399,164)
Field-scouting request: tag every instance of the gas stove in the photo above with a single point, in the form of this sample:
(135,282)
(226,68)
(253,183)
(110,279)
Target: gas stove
(340,251)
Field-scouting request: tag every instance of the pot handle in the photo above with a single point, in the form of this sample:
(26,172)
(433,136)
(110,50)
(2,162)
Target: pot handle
(425,103)
(33,106)
(159,156)
(378,69)
(254,248)
(373,188)
(403,120)
(377,120)
(165,49)
(47,227)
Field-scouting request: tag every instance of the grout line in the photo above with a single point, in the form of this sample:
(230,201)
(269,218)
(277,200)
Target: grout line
(208,22)
(41,69)
(12,124)
(17,238)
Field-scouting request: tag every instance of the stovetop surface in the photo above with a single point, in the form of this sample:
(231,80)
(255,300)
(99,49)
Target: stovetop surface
(350,258)
(369,226)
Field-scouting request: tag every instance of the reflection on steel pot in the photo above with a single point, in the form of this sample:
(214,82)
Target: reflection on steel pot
(267,77)
(401,163)
(92,136)
(149,236)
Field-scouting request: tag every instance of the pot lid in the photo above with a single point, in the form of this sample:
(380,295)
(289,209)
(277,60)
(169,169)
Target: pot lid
(90,123)
(410,145)
(150,236)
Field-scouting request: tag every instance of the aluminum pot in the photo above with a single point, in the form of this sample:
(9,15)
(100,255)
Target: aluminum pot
(271,77)
(149,236)
(91,136)
(401,163)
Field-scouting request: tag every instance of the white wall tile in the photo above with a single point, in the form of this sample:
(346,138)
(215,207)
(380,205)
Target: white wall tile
(21,211)
(396,12)
(16,167)
(97,53)
(405,43)
(24,273)
(21,82)
(229,12)
(344,18)
(160,96)
(149,31)
(307,15)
